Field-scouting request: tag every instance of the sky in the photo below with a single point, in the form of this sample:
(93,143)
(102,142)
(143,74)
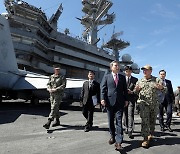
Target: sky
(151,26)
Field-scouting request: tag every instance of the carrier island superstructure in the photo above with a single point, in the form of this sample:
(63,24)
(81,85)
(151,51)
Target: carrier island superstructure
(38,44)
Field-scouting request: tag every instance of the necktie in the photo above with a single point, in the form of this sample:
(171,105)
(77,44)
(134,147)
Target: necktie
(90,83)
(163,83)
(128,81)
(116,79)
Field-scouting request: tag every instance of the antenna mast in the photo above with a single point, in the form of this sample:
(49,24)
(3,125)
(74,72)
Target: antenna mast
(96,14)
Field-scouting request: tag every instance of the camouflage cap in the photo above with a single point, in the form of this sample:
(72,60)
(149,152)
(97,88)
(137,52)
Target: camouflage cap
(57,66)
(146,67)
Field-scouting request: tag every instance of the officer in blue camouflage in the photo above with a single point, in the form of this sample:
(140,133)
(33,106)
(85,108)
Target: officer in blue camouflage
(147,88)
(55,86)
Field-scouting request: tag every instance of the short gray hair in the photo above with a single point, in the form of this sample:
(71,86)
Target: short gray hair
(115,61)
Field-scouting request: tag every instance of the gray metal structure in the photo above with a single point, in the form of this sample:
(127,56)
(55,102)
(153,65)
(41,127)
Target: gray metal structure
(96,14)
(38,44)
(15,83)
(116,45)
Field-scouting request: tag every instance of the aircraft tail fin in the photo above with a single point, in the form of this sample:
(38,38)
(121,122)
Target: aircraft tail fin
(8,60)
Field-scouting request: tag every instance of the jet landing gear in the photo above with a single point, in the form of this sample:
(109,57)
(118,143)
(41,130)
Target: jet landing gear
(34,101)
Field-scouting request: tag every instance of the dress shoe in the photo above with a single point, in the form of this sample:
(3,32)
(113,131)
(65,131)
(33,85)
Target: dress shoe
(86,129)
(130,135)
(169,128)
(56,123)
(126,131)
(111,141)
(118,147)
(162,129)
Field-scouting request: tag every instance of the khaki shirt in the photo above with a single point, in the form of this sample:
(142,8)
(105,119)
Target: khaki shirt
(57,82)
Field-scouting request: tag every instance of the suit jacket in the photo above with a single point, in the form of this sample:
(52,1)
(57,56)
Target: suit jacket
(132,97)
(113,94)
(87,92)
(169,96)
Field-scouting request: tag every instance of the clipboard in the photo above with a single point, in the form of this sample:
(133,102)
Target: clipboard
(94,99)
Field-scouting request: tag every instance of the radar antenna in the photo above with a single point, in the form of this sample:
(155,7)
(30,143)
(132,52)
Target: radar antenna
(96,14)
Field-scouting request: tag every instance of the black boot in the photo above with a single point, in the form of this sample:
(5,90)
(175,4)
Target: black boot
(47,125)
(56,123)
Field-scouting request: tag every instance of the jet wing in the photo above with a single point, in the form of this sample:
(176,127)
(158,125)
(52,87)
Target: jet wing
(74,83)
(31,81)
(37,81)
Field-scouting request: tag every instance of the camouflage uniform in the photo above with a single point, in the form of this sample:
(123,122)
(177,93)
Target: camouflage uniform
(148,103)
(177,100)
(57,82)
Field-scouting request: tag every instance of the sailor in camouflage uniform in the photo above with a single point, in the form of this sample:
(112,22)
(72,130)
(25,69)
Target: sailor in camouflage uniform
(147,89)
(55,86)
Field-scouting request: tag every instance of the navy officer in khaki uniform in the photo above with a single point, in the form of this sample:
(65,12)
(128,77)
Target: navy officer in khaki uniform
(55,86)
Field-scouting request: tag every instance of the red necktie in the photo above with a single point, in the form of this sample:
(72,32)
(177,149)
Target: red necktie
(116,79)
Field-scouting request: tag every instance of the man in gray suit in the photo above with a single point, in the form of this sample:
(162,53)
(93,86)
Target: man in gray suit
(114,97)
(132,98)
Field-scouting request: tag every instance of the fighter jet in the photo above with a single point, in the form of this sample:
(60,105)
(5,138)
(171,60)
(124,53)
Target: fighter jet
(15,83)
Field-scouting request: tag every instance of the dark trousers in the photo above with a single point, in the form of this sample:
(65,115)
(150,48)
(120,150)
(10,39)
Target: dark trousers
(88,111)
(116,132)
(129,116)
(168,108)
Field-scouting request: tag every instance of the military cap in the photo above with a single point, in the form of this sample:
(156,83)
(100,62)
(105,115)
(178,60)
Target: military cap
(128,68)
(56,66)
(146,67)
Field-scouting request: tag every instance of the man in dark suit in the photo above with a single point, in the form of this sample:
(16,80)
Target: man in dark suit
(90,97)
(114,97)
(132,98)
(166,103)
